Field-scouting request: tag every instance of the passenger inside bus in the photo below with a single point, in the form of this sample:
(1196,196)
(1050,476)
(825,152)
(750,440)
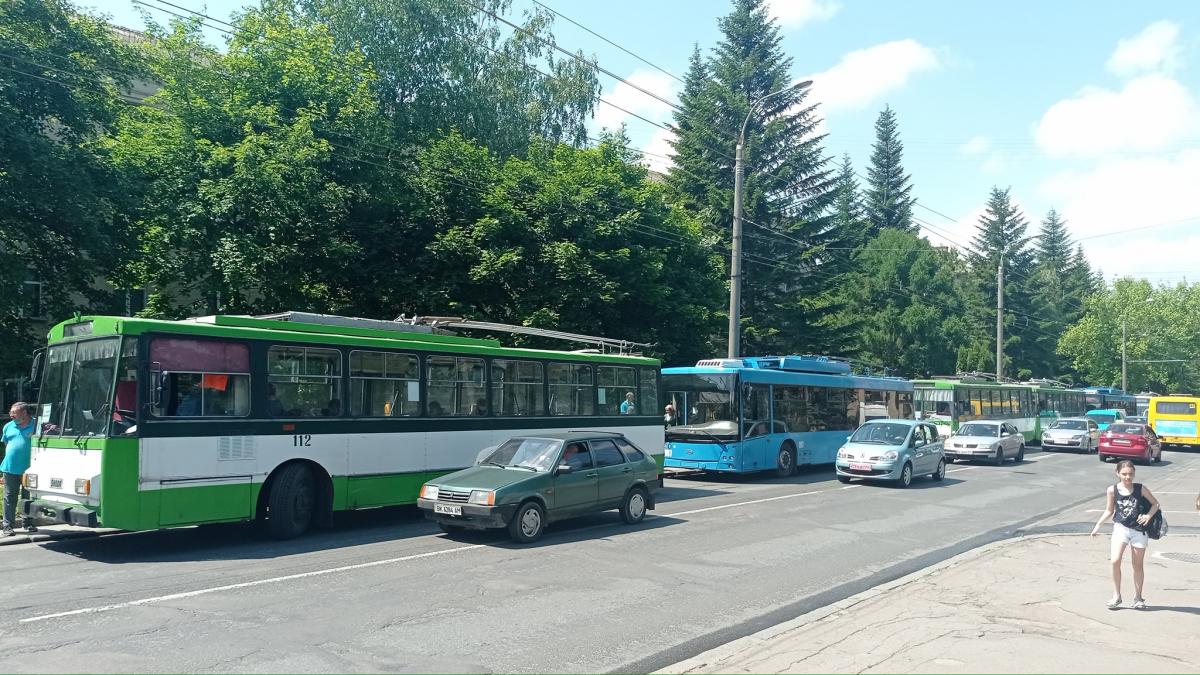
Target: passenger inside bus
(189,399)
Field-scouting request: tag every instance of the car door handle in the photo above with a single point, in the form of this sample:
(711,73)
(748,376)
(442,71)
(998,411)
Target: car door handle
(627,470)
(591,475)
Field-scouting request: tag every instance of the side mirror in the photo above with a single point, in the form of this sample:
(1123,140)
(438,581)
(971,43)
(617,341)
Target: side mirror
(35,371)
(562,468)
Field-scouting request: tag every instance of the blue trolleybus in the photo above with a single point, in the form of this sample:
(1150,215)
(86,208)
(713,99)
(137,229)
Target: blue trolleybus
(772,412)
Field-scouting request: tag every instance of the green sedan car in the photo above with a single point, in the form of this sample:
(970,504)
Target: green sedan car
(529,481)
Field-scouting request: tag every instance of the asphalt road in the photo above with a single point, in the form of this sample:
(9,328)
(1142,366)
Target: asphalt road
(385,591)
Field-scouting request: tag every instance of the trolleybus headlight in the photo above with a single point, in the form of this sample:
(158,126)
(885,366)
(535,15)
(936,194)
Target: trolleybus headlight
(483,497)
(83,486)
(30,480)
(429,492)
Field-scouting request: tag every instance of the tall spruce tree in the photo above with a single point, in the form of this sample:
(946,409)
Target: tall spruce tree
(1051,291)
(889,199)
(789,301)
(851,217)
(1002,236)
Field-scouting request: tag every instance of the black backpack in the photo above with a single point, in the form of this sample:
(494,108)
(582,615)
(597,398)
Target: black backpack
(1157,527)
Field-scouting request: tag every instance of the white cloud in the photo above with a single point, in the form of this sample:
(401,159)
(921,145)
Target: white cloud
(796,13)
(976,145)
(1148,113)
(1124,194)
(639,102)
(1156,48)
(659,149)
(864,75)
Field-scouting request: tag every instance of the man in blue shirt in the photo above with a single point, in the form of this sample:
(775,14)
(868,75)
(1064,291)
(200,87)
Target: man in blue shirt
(15,437)
(627,407)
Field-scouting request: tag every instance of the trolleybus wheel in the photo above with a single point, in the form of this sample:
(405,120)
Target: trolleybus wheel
(292,502)
(785,464)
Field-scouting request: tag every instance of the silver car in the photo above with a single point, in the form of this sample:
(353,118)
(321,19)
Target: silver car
(992,440)
(894,450)
(1072,433)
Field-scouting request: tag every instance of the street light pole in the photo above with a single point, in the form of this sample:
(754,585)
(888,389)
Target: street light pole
(735,264)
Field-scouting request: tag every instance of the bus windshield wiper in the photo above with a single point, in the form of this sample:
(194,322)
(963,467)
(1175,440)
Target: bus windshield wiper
(715,439)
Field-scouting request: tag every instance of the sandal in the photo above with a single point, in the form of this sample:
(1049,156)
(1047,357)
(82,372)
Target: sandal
(1114,603)
(1139,603)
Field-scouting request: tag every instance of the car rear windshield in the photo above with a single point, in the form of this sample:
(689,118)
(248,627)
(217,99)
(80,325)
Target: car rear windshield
(979,430)
(1126,428)
(1072,425)
(1104,419)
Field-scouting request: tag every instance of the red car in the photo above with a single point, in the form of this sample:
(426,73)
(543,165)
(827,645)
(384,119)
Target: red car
(1130,441)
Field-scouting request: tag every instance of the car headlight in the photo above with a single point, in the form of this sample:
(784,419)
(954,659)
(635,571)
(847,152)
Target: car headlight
(482,497)
(31,480)
(429,491)
(890,454)
(842,454)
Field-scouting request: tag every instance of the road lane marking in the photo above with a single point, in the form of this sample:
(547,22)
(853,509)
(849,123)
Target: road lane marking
(1103,511)
(247,584)
(747,503)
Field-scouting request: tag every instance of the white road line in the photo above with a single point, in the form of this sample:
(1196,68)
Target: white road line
(752,501)
(247,584)
(1102,511)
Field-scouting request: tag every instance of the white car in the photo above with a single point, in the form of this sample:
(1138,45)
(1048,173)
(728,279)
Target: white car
(1072,433)
(986,439)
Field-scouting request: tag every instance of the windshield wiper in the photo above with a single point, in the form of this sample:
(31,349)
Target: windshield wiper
(502,466)
(524,466)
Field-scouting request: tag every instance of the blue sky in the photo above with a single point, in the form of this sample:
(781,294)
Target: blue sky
(1090,107)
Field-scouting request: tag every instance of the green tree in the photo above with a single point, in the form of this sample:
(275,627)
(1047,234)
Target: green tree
(446,65)
(849,213)
(1001,237)
(889,199)
(253,169)
(1053,292)
(789,299)
(61,74)
(1161,324)
(571,239)
(909,304)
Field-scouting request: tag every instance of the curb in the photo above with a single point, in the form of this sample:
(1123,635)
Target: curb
(719,654)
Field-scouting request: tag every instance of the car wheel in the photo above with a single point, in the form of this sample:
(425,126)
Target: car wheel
(1020,455)
(527,523)
(999,458)
(844,479)
(905,476)
(785,464)
(1158,456)
(1102,457)
(941,471)
(292,502)
(633,508)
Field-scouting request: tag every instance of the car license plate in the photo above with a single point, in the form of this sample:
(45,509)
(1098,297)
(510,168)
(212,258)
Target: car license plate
(859,466)
(1120,441)
(448,509)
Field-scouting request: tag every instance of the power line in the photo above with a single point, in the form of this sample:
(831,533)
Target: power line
(594,33)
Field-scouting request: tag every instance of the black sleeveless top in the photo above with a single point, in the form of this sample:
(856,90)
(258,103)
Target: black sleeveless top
(1127,506)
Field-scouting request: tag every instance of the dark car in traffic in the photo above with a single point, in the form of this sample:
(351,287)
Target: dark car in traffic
(530,481)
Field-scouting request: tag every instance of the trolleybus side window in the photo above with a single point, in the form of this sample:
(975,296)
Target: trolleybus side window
(648,385)
(456,387)
(615,383)
(304,382)
(572,389)
(383,384)
(790,406)
(517,388)
(756,409)
(200,378)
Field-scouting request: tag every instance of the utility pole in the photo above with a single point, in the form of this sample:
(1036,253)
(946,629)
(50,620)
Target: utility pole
(1124,366)
(1000,319)
(735,265)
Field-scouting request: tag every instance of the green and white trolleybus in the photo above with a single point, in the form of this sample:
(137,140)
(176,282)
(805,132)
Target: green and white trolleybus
(950,401)
(284,419)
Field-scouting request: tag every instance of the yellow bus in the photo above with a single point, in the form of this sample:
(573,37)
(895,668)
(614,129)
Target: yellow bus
(1176,419)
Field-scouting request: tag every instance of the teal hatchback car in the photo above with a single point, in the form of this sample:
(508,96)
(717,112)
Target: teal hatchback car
(530,481)
(892,450)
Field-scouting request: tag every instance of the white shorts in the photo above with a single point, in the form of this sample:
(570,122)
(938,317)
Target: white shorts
(1128,535)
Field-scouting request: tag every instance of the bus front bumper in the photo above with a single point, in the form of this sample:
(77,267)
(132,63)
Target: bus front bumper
(43,512)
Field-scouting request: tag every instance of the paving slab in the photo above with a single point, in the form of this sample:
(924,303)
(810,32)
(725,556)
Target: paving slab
(1031,604)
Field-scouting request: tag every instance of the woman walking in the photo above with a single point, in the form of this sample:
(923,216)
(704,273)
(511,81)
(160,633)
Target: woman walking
(1126,501)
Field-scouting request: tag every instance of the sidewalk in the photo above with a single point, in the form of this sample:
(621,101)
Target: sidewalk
(1025,605)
